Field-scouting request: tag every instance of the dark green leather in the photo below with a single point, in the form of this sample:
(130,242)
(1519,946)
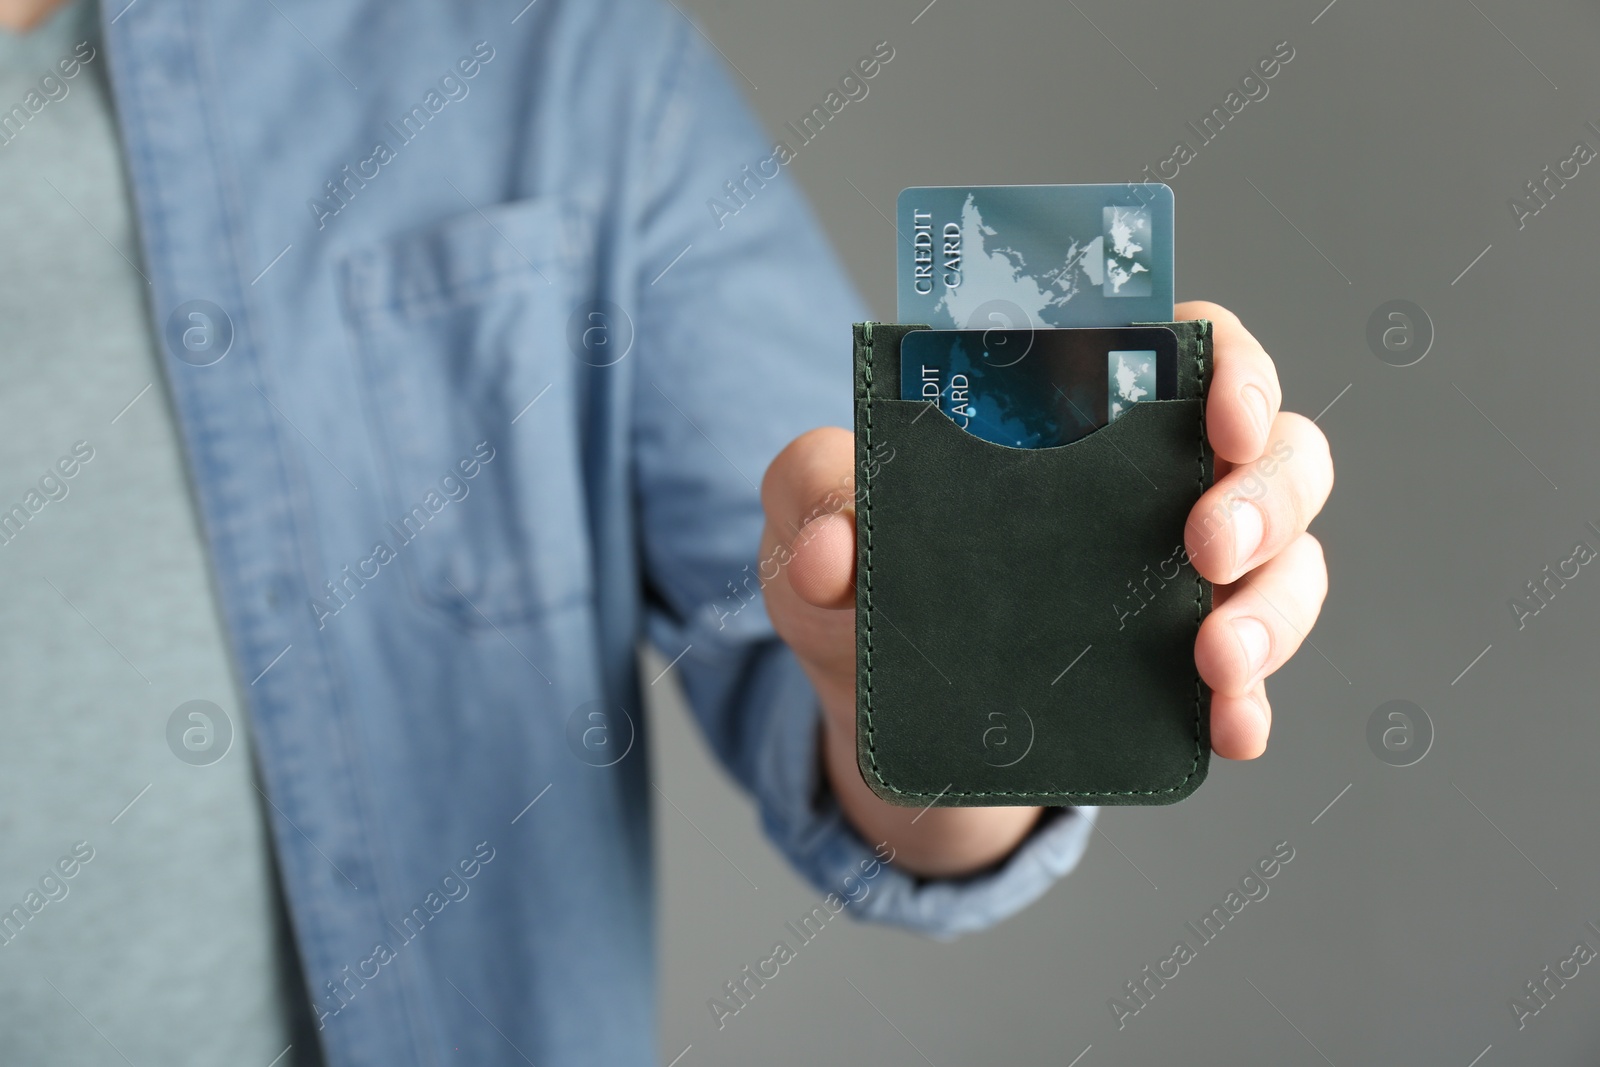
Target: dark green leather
(983,572)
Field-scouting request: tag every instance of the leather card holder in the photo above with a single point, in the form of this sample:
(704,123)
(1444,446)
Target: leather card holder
(1026,618)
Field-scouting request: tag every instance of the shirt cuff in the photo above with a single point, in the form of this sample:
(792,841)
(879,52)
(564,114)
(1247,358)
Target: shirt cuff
(802,817)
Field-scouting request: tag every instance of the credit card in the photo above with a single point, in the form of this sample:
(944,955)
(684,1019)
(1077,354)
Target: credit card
(1038,388)
(1017,256)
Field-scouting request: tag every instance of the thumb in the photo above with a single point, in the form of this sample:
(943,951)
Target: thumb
(808,494)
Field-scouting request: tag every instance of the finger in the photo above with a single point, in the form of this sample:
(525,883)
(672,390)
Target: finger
(808,496)
(1240,725)
(1244,396)
(1262,619)
(1256,509)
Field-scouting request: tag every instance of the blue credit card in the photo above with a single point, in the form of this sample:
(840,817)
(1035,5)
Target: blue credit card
(1038,388)
(1018,256)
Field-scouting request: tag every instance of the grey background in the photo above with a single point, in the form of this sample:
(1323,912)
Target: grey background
(1406,921)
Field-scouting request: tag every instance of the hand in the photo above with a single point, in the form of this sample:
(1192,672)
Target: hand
(1246,534)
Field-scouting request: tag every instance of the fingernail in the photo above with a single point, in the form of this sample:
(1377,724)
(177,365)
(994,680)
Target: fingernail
(1249,526)
(1260,702)
(1256,402)
(1254,642)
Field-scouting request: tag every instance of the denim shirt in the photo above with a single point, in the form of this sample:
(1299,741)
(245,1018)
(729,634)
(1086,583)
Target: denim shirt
(477,384)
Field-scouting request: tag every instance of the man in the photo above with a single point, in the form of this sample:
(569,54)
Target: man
(375,379)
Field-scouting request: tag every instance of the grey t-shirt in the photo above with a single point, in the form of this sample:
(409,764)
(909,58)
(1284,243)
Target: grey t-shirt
(139,914)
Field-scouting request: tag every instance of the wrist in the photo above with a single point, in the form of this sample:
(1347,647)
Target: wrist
(933,842)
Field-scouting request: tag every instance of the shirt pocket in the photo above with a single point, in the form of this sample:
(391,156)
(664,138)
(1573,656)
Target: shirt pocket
(460,339)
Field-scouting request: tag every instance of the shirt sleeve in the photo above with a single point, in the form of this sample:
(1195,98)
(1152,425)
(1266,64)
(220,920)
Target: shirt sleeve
(744,343)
